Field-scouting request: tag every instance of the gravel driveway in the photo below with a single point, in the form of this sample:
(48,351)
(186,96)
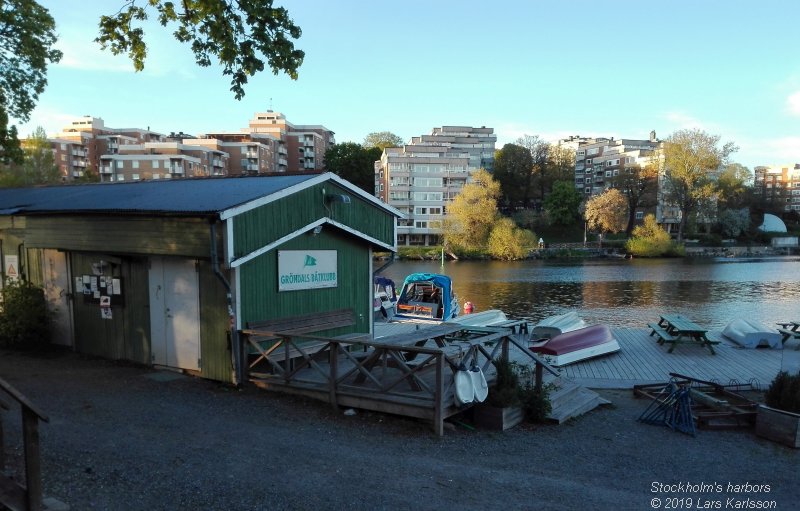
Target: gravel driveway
(126,437)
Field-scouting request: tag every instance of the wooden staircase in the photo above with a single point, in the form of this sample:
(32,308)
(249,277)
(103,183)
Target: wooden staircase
(569,399)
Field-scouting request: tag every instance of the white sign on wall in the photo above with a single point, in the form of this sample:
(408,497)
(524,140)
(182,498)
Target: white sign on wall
(11,265)
(307,269)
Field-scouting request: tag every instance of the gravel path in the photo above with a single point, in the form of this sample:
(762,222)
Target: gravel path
(119,439)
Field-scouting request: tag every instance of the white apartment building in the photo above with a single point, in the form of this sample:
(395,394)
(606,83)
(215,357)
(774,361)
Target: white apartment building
(421,178)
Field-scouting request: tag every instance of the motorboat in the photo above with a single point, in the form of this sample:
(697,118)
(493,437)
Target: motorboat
(577,345)
(749,333)
(428,296)
(556,325)
(385,298)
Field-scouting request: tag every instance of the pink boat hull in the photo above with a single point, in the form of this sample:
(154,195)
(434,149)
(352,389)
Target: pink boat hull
(578,345)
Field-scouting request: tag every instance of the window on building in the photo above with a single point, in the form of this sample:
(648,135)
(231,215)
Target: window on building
(587,190)
(588,161)
(639,215)
(135,177)
(120,164)
(156,176)
(120,177)
(135,164)
(155,164)
(63,147)
(421,224)
(608,173)
(588,180)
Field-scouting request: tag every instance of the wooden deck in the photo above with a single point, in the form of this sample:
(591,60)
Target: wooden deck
(642,360)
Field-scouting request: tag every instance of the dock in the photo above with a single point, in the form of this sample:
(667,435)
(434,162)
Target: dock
(409,369)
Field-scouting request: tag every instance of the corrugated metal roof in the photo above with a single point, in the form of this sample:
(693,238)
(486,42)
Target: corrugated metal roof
(178,196)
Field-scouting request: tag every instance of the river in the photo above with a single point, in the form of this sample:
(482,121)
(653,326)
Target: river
(625,293)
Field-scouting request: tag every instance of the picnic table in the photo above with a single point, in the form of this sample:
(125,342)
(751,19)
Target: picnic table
(676,329)
(789,329)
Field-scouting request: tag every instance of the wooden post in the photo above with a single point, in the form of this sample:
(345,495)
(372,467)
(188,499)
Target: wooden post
(504,352)
(334,375)
(438,412)
(33,469)
(2,444)
(538,373)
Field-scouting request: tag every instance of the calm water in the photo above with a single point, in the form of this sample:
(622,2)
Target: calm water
(626,293)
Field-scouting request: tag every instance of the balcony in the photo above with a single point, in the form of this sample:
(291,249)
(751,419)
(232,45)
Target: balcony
(217,163)
(176,169)
(251,154)
(106,169)
(308,142)
(282,161)
(78,163)
(251,167)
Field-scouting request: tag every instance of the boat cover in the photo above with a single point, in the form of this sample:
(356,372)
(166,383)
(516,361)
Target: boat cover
(386,283)
(438,280)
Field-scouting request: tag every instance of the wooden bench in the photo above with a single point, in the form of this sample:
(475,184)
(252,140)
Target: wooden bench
(302,324)
(788,334)
(663,335)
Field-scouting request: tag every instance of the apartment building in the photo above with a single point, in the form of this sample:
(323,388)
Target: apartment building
(163,160)
(301,147)
(421,178)
(79,145)
(249,153)
(597,160)
(778,186)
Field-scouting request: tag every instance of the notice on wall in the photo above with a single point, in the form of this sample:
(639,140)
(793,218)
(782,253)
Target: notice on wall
(307,269)
(11,267)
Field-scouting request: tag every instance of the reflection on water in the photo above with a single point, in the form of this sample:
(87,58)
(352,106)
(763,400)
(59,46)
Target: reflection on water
(627,293)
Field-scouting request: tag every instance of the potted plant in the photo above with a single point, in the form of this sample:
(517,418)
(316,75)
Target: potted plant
(514,397)
(779,418)
(502,409)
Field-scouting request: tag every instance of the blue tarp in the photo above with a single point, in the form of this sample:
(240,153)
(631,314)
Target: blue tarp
(438,280)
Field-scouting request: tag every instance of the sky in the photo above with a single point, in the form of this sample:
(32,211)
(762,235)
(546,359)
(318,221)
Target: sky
(549,68)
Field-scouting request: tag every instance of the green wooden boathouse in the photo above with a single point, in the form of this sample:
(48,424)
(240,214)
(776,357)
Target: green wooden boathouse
(166,272)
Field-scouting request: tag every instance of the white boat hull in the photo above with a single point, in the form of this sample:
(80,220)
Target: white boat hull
(557,325)
(752,334)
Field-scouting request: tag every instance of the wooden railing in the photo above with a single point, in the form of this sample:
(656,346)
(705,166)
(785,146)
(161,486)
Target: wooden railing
(388,377)
(13,495)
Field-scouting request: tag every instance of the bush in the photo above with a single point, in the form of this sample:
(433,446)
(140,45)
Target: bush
(650,240)
(25,320)
(515,386)
(784,393)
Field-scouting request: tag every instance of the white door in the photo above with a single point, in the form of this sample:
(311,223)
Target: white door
(175,313)
(56,291)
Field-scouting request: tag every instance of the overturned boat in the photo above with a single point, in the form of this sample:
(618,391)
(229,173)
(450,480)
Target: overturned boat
(556,325)
(427,296)
(577,345)
(749,333)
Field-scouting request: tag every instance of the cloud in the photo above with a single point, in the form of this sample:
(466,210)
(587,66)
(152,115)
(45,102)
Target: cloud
(53,121)
(87,56)
(682,120)
(793,101)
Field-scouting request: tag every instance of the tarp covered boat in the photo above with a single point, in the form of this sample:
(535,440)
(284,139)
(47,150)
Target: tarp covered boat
(427,296)
(749,333)
(577,345)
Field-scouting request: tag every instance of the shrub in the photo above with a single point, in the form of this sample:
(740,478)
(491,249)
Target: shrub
(515,386)
(650,240)
(509,242)
(784,392)
(25,320)
(506,388)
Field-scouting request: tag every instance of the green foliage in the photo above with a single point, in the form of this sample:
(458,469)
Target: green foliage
(26,48)
(690,159)
(562,203)
(784,392)
(732,185)
(382,140)
(238,34)
(513,169)
(733,222)
(650,240)
(355,163)
(472,214)
(25,320)
(516,386)
(505,391)
(38,166)
(508,242)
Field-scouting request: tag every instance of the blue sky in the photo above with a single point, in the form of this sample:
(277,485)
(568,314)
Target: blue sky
(549,68)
